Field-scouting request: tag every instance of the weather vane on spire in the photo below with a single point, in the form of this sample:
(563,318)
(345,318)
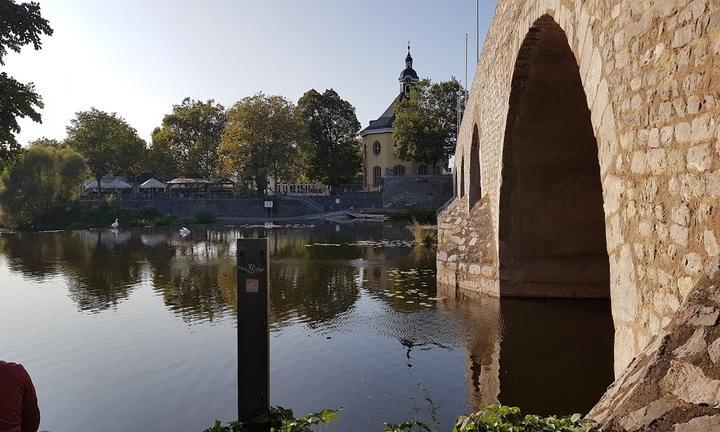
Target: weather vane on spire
(408,46)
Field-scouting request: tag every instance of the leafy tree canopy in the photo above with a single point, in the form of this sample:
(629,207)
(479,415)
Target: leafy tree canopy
(159,161)
(260,140)
(47,142)
(20,24)
(107,142)
(41,178)
(188,139)
(329,141)
(425,126)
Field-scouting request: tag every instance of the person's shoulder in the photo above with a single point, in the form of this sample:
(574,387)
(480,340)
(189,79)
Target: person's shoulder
(15,369)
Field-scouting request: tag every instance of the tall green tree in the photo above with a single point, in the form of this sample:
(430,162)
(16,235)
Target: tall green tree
(47,142)
(107,142)
(41,178)
(329,142)
(20,25)
(260,140)
(425,127)
(190,137)
(158,161)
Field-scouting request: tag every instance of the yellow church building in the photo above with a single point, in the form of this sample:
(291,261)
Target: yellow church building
(379,160)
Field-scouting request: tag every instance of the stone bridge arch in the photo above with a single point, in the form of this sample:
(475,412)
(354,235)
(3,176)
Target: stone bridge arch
(474,185)
(649,74)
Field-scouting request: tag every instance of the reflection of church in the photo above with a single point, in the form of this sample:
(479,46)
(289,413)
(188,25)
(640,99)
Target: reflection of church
(379,158)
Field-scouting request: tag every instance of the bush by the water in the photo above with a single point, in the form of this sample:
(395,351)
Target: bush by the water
(428,217)
(491,418)
(100,215)
(204,217)
(280,420)
(425,235)
(41,179)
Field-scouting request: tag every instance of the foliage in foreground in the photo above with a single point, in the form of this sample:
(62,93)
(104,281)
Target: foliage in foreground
(491,418)
(280,420)
(20,24)
(498,418)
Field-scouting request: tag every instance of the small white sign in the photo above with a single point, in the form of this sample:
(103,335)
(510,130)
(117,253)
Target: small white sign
(337,200)
(268,204)
(252,286)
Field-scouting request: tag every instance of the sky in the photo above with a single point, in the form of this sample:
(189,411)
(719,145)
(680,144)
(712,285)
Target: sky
(139,57)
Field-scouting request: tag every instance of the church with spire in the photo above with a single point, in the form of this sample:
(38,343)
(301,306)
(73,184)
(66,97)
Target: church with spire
(379,158)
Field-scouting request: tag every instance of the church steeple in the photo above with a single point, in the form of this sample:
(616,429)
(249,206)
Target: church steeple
(408,59)
(408,77)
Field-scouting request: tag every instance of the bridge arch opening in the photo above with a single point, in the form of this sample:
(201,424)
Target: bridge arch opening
(475,192)
(551,221)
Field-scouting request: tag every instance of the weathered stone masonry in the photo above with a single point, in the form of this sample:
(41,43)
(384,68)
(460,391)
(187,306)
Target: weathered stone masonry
(650,74)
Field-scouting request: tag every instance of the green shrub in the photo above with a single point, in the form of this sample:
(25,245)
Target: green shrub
(491,418)
(427,217)
(280,420)
(204,217)
(499,418)
(424,235)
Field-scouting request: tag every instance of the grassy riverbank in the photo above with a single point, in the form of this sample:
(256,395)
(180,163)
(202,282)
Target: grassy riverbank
(101,215)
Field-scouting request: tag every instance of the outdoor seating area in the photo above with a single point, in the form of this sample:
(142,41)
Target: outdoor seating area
(200,185)
(305,189)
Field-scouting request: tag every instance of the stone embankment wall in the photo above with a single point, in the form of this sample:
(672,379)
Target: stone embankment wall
(416,192)
(254,208)
(650,75)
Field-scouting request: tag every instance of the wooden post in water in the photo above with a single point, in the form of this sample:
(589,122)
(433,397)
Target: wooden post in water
(253,336)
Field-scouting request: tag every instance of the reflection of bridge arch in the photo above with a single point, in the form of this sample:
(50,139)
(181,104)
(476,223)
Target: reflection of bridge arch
(657,170)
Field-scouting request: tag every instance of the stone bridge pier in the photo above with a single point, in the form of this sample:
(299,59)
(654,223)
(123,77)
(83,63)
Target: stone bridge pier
(588,163)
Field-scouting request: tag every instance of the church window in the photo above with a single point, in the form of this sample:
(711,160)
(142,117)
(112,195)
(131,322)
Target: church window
(377,176)
(423,170)
(399,170)
(376,148)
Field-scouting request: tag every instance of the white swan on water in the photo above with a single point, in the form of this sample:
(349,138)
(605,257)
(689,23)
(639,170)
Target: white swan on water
(115,224)
(184,232)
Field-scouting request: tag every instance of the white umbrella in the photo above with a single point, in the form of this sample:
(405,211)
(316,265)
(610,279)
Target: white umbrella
(104,183)
(118,184)
(152,184)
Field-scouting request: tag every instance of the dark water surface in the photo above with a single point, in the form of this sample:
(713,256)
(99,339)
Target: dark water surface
(136,331)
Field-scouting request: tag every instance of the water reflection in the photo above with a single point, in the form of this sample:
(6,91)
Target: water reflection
(546,356)
(356,322)
(316,274)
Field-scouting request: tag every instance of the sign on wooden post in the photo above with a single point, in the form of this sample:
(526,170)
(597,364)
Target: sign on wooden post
(253,336)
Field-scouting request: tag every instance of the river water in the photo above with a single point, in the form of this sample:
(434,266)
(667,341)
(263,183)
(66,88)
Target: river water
(137,330)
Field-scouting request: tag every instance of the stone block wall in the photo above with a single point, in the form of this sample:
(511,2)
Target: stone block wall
(416,192)
(674,383)
(466,266)
(650,71)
